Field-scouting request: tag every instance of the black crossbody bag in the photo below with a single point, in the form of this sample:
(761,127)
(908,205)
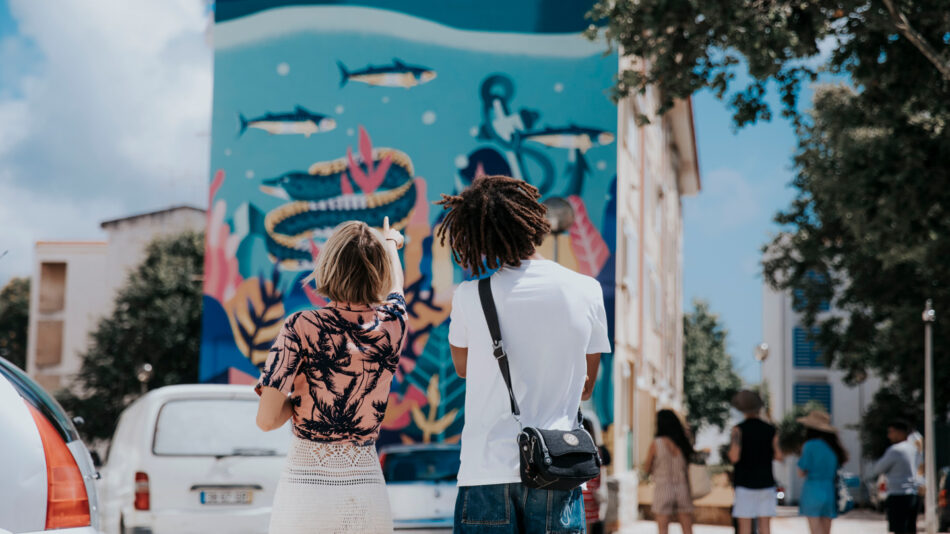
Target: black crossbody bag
(550,459)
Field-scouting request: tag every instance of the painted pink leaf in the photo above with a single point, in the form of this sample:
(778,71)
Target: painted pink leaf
(345,187)
(588,245)
(370,179)
(215,185)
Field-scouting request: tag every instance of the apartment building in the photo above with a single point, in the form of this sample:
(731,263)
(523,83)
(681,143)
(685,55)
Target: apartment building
(75,283)
(657,166)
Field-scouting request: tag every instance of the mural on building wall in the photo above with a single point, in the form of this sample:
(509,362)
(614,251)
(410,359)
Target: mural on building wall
(325,113)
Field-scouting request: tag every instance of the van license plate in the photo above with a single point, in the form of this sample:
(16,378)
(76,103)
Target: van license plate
(227,497)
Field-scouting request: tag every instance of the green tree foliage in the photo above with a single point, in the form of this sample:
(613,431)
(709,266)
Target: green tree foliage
(791,433)
(894,49)
(870,233)
(14,320)
(157,319)
(869,229)
(709,380)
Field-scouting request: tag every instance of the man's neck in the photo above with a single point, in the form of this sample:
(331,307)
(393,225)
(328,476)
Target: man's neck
(534,256)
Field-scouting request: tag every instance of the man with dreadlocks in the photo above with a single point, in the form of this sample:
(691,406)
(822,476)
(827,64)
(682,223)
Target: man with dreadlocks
(554,328)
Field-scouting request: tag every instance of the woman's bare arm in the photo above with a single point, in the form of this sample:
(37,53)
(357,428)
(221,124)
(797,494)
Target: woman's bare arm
(273,410)
(393,241)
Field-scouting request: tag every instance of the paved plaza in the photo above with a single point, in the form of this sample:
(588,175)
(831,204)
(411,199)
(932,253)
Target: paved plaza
(856,522)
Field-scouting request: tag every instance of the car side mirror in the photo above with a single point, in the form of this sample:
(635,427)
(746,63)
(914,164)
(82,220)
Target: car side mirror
(605,455)
(96,459)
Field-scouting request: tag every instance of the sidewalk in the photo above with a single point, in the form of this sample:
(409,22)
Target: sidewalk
(856,522)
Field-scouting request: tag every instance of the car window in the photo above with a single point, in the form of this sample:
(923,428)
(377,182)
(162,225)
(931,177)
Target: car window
(215,427)
(432,465)
(40,399)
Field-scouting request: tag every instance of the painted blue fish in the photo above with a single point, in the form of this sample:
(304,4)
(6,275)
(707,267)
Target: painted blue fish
(299,121)
(398,74)
(572,137)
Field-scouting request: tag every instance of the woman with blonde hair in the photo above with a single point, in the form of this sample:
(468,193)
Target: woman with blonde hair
(329,371)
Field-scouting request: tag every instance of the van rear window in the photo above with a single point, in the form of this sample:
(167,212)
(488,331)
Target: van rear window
(215,427)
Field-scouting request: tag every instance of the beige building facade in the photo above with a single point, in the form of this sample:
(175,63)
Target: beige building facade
(657,166)
(75,283)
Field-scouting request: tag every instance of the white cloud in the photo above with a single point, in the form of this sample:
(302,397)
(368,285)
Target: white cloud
(111,120)
(728,201)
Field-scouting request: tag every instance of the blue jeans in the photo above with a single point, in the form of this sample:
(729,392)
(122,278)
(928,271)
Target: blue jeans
(515,509)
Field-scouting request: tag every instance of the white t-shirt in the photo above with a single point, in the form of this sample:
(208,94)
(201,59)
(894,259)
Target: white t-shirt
(551,317)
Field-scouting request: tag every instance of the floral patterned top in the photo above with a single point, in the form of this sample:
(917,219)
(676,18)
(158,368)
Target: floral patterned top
(336,364)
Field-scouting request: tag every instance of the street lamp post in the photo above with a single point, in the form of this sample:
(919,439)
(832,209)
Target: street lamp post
(930,512)
(143,374)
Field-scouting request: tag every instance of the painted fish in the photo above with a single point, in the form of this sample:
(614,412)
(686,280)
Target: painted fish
(572,137)
(299,121)
(398,74)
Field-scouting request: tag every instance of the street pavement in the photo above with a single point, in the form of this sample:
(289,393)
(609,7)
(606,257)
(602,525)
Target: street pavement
(856,522)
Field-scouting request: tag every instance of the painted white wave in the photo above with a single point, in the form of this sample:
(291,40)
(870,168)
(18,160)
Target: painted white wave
(281,22)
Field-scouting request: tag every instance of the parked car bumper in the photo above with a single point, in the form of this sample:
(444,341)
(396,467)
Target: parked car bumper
(423,524)
(224,521)
(80,530)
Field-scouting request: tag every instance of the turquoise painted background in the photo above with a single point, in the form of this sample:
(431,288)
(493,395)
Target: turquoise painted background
(380,137)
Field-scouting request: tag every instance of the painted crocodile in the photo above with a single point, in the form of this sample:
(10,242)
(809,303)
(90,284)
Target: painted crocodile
(333,192)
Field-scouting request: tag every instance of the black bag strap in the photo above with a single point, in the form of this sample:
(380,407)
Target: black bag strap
(498,349)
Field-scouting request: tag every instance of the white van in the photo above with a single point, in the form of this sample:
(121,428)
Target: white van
(190,459)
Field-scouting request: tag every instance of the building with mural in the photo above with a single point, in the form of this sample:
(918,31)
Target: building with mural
(329,111)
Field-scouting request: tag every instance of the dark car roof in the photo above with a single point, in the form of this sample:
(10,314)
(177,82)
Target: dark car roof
(34,394)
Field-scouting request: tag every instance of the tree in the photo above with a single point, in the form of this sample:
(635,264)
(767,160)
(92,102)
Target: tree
(14,320)
(870,233)
(896,47)
(157,319)
(869,229)
(709,380)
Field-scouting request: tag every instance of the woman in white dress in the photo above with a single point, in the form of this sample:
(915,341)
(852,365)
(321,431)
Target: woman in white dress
(330,371)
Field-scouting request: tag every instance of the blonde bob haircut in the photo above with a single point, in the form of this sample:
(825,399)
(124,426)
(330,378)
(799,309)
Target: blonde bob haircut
(353,266)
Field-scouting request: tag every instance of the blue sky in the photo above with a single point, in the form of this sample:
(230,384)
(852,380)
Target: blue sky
(110,152)
(745,179)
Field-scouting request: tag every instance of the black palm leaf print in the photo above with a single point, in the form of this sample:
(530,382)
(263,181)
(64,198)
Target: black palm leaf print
(284,357)
(347,359)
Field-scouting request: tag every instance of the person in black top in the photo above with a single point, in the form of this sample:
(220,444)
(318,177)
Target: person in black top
(753,446)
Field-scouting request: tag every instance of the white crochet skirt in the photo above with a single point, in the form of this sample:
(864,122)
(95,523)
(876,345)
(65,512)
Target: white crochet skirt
(331,488)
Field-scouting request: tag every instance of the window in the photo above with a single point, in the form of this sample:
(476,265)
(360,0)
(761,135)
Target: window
(49,342)
(631,267)
(802,393)
(815,278)
(431,465)
(215,427)
(52,287)
(804,352)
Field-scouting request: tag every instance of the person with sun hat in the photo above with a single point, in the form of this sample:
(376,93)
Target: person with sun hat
(822,455)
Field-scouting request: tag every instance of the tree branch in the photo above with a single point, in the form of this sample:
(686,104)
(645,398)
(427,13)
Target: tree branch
(912,35)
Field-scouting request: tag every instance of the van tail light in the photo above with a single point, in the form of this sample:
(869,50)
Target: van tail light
(67,504)
(382,460)
(882,487)
(141,491)
(942,499)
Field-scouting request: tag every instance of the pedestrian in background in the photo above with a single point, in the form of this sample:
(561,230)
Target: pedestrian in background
(899,463)
(330,371)
(554,326)
(821,457)
(667,463)
(752,448)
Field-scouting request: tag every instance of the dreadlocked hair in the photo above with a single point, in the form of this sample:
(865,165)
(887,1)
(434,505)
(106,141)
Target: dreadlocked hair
(497,221)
